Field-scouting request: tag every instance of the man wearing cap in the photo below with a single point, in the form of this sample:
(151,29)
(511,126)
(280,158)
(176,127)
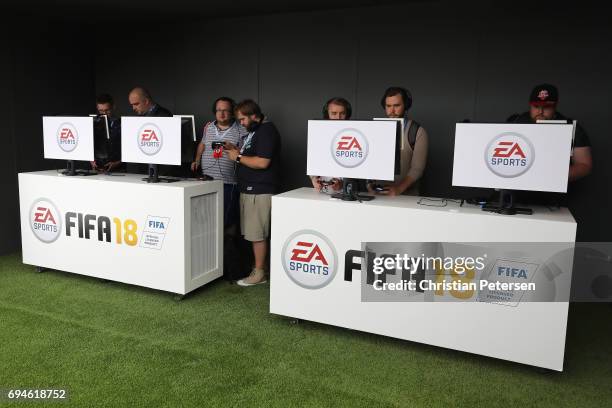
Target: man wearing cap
(543,106)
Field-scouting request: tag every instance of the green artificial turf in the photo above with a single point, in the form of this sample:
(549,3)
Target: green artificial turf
(115,345)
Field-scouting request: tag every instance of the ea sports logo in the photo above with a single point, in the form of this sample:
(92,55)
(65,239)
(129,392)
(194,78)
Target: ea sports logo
(309,259)
(45,220)
(149,139)
(509,155)
(349,148)
(67,137)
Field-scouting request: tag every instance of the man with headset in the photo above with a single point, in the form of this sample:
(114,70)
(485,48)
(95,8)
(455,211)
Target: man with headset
(396,101)
(214,164)
(336,108)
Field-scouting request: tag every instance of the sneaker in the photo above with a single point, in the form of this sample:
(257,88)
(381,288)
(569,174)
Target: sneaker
(256,277)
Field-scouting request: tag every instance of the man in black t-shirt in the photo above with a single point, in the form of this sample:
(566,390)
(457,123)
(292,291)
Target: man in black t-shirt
(543,106)
(258,178)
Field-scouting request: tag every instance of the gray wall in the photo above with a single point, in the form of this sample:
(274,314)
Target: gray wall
(9,206)
(477,62)
(46,68)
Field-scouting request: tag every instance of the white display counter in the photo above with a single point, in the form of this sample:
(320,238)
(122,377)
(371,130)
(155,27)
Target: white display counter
(166,236)
(531,332)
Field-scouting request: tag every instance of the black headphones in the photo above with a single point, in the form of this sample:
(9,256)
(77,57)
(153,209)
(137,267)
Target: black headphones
(337,101)
(394,90)
(226,99)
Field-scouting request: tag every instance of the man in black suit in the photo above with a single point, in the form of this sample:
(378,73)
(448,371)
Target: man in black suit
(143,104)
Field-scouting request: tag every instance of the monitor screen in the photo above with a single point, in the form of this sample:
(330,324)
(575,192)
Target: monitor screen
(68,137)
(359,149)
(188,137)
(533,157)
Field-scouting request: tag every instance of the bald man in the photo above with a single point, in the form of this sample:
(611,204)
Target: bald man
(143,104)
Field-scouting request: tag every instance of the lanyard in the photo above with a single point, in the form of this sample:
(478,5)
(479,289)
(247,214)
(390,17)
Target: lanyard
(219,136)
(247,141)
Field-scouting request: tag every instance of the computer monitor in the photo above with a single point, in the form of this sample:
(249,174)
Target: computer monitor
(510,156)
(69,138)
(101,136)
(153,141)
(399,139)
(188,138)
(352,149)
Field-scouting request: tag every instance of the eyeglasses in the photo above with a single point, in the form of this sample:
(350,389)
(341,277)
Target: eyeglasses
(223,111)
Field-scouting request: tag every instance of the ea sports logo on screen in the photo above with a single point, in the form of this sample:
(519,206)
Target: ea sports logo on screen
(309,259)
(509,155)
(45,220)
(349,148)
(150,139)
(67,137)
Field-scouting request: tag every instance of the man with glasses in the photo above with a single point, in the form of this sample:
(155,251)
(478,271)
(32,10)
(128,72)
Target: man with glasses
(213,163)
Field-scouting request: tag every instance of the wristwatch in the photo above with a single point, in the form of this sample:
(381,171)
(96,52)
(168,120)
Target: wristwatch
(238,158)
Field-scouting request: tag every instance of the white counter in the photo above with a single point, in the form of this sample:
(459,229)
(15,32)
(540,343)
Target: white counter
(530,333)
(165,236)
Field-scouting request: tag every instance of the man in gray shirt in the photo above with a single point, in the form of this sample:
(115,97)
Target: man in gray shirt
(214,163)
(413,148)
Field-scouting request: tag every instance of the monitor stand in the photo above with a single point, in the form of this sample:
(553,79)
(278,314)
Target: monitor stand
(506,205)
(71,171)
(154,176)
(349,192)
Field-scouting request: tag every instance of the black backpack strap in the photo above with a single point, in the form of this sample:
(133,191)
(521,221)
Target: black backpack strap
(412,133)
